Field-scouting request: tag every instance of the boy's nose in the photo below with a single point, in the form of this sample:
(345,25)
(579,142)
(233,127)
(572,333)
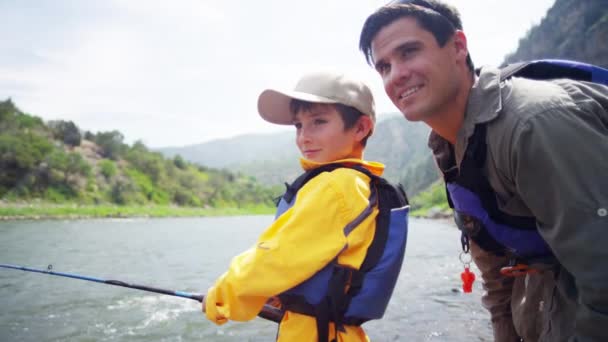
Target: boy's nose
(303,136)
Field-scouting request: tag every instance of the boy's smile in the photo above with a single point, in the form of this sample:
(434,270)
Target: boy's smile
(321,137)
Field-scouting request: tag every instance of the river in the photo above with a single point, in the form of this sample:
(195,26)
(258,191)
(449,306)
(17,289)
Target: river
(187,254)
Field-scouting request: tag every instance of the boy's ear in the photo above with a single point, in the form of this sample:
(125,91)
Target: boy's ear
(364,127)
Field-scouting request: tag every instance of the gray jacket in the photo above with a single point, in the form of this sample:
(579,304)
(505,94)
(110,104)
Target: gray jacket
(547,157)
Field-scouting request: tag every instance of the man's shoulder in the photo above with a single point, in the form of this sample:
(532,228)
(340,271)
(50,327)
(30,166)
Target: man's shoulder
(527,106)
(519,97)
(529,97)
(525,100)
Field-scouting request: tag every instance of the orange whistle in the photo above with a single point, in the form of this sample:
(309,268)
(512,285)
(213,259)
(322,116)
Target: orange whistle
(468,278)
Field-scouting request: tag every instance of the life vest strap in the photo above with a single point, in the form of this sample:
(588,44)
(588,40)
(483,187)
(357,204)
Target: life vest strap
(517,270)
(519,267)
(332,307)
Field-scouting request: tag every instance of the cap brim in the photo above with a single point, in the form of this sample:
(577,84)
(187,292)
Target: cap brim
(273,105)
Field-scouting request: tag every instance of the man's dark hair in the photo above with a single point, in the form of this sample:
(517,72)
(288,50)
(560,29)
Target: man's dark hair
(350,115)
(440,19)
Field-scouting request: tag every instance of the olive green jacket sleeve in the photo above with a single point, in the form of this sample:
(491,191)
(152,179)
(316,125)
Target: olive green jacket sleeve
(559,164)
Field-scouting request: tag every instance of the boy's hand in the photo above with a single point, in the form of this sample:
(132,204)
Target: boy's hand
(204,301)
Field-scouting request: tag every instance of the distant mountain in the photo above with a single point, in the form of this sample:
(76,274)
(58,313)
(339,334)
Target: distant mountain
(273,158)
(238,150)
(572,29)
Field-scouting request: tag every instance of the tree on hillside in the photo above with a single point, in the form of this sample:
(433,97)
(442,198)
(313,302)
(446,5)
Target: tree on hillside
(11,118)
(66,131)
(179,162)
(7,109)
(19,155)
(111,143)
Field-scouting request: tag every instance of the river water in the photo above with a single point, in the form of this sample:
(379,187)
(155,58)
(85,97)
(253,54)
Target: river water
(187,254)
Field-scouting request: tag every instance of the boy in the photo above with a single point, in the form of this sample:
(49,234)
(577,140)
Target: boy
(311,257)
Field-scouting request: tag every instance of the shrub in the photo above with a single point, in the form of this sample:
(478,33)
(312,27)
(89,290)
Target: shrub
(107,168)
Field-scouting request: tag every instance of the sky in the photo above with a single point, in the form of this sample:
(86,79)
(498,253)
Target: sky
(182,72)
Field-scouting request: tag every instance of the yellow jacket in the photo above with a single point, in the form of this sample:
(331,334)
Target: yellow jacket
(299,243)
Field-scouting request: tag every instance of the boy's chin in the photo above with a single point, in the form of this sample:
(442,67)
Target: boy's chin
(315,159)
(324,160)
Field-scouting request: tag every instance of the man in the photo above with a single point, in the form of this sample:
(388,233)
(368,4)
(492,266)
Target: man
(532,153)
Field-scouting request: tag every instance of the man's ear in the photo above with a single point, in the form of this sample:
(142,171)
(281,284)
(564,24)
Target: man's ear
(460,45)
(364,127)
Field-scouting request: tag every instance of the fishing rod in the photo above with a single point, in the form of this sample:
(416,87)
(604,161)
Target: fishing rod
(268,312)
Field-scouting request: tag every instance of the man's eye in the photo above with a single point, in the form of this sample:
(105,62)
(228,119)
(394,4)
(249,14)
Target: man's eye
(382,69)
(408,51)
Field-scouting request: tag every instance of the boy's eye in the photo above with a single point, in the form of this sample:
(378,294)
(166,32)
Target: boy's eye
(320,121)
(298,125)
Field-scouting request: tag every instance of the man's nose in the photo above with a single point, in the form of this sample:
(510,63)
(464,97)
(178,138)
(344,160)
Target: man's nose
(400,73)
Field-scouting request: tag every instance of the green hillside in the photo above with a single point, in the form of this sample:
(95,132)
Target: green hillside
(572,29)
(54,162)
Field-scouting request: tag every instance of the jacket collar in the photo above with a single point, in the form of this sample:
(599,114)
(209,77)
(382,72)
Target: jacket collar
(374,167)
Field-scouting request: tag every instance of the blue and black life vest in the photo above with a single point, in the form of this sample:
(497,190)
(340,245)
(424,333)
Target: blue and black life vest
(469,193)
(341,294)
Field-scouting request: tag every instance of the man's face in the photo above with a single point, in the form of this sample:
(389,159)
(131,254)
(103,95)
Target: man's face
(419,76)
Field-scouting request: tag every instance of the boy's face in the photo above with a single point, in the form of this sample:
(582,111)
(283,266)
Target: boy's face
(321,137)
(419,76)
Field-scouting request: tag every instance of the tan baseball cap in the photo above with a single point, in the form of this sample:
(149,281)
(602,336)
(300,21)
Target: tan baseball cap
(317,87)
